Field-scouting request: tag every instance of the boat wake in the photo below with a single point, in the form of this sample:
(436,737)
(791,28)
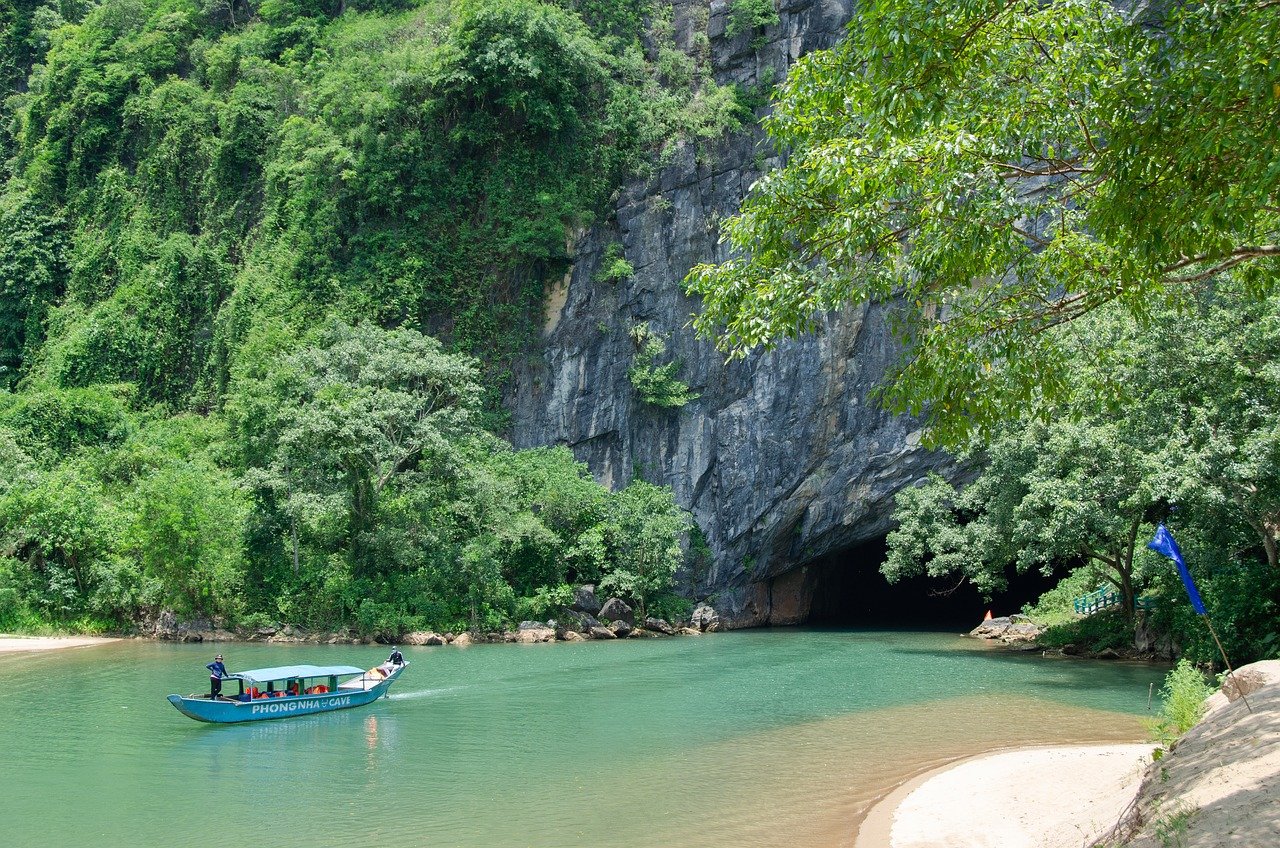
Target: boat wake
(425,693)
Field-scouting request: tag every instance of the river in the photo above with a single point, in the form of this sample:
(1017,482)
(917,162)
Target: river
(757,738)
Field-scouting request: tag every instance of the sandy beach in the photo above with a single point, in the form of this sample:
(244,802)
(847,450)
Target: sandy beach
(1046,797)
(13,644)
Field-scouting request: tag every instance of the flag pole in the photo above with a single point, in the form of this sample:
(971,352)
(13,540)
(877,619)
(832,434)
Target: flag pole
(1230,671)
(1164,544)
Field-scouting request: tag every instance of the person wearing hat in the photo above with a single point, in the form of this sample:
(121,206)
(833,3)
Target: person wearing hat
(217,672)
(396,657)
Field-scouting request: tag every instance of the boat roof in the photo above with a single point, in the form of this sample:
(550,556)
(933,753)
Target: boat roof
(282,672)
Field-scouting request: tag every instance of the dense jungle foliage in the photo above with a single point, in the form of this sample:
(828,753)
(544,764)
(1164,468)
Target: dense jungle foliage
(1188,436)
(231,232)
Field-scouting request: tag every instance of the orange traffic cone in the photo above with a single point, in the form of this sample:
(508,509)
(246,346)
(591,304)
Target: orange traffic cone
(987,617)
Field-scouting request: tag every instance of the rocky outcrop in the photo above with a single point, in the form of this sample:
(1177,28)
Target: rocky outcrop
(705,619)
(169,628)
(784,456)
(1009,629)
(425,637)
(659,625)
(535,633)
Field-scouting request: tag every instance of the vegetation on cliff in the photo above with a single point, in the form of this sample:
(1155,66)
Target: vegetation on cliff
(229,232)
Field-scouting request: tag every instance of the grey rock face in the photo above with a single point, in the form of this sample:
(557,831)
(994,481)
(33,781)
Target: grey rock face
(659,625)
(584,600)
(615,609)
(784,456)
(705,618)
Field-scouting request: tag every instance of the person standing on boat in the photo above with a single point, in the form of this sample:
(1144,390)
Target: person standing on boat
(396,657)
(217,673)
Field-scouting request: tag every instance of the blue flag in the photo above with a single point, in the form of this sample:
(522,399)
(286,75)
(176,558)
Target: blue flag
(1163,544)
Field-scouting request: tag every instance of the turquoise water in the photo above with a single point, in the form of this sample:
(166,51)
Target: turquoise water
(753,738)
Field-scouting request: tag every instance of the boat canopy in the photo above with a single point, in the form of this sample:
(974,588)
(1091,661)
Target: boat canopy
(284,672)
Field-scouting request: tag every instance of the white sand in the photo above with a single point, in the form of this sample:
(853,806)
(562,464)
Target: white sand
(1061,797)
(11,644)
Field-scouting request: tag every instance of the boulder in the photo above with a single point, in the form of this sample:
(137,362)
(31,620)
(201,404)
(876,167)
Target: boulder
(705,618)
(659,625)
(992,628)
(462,640)
(574,636)
(1108,654)
(1010,629)
(689,631)
(584,600)
(622,629)
(436,639)
(421,637)
(574,620)
(1249,678)
(1020,632)
(615,609)
(530,635)
(602,632)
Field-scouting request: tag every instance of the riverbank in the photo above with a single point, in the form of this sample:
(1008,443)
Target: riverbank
(586,619)
(1219,784)
(13,644)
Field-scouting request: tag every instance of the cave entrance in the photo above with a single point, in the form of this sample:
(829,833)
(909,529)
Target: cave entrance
(848,590)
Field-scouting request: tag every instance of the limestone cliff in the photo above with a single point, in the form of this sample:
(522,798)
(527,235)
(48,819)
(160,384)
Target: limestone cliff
(783,457)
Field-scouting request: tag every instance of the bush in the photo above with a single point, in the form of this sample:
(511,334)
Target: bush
(656,384)
(1098,632)
(1056,606)
(670,607)
(747,15)
(1183,693)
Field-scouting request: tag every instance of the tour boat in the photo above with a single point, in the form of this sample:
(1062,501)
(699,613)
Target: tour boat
(291,690)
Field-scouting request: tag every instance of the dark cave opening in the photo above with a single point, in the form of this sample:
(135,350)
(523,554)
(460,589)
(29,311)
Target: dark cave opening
(848,590)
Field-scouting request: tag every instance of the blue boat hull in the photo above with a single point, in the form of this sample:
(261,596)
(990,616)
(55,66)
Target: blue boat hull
(265,709)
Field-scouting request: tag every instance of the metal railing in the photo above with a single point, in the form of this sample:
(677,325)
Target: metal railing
(1106,596)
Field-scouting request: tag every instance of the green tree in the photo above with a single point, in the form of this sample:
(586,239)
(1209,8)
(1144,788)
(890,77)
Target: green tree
(352,414)
(1047,496)
(188,532)
(645,531)
(1000,169)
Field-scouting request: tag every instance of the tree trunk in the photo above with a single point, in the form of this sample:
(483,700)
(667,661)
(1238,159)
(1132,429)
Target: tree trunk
(293,536)
(1125,559)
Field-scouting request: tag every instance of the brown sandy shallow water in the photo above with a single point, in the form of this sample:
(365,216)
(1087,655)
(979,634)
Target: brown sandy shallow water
(819,780)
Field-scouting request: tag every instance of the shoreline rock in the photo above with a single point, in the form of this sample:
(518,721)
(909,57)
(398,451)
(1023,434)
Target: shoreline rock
(1009,630)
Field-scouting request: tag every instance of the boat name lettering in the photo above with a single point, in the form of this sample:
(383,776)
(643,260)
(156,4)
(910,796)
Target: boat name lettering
(295,706)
